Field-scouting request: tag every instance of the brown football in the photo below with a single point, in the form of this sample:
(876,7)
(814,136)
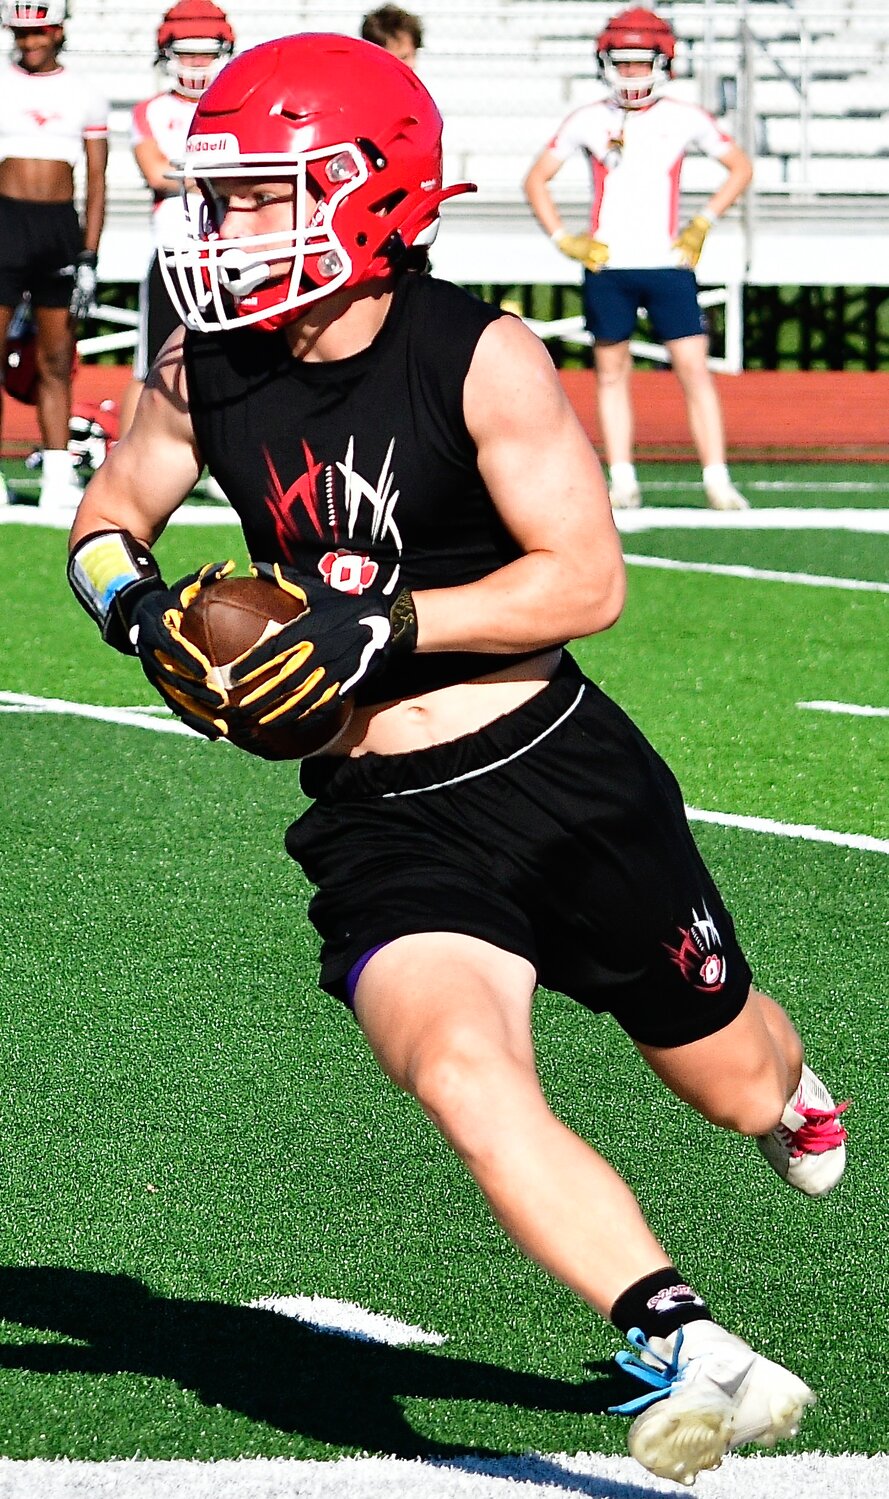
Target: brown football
(226,619)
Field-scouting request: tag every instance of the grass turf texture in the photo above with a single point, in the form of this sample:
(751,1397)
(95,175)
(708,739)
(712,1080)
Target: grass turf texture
(189,1125)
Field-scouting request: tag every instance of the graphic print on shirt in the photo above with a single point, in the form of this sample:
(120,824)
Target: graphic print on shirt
(699,956)
(331,502)
(41,120)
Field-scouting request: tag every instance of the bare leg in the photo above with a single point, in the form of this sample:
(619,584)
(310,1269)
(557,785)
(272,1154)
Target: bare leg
(448,1019)
(689,360)
(742,1076)
(614,369)
(55,355)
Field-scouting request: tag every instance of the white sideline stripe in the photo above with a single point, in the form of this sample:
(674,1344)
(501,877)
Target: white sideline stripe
(348,1319)
(856,710)
(649,517)
(660,518)
(763,574)
(137,718)
(585,1475)
(790,830)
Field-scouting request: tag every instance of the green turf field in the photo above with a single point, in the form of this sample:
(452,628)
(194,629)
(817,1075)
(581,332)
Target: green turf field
(188,1125)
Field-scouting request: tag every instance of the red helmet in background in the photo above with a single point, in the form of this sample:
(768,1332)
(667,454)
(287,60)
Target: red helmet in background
(190,29)
(636,36)
(360,137)
(23,13)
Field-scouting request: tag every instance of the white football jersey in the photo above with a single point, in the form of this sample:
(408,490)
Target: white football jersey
(635,156)
(48,116)
(165,119)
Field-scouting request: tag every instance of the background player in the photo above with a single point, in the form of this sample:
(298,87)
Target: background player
(399,31)
(634,254)
(489,818)
(48,118)
(194,40)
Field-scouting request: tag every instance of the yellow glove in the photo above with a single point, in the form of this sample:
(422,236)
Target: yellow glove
(689,242)
(590,252)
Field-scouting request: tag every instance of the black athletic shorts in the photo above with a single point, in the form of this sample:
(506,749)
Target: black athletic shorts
(157,319)
(557,833)
(39,243)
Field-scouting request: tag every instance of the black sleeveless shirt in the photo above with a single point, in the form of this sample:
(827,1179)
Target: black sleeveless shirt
(360,471)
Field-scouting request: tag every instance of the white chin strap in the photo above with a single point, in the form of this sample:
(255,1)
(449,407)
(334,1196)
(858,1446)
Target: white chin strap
(239,274)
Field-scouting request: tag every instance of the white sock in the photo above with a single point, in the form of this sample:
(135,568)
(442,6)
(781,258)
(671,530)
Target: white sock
(4,492)
(715,473)
(623,474)
(58,466)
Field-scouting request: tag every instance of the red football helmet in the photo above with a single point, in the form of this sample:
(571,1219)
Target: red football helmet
(194,28)
(359,136)
(636,36)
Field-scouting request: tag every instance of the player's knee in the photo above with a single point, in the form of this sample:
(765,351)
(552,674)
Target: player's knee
(452,1077)
(54,366)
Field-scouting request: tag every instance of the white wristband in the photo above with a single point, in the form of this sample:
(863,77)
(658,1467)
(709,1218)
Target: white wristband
(557,234)
(711,218)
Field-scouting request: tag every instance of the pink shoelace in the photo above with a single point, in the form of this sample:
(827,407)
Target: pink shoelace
(821,1131)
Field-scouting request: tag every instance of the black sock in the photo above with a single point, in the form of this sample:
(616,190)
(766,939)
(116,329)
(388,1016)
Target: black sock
(658,1304)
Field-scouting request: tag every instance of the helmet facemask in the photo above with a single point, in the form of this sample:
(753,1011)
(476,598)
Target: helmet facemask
(265,279)
(635,92)
(190,77)
(37,13)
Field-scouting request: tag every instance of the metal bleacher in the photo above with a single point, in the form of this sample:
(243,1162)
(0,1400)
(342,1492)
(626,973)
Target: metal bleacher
(803,85)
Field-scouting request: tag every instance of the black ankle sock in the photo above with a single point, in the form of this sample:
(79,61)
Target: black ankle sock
(659,1303)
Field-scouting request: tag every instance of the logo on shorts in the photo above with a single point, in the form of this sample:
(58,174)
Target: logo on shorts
(699,956)
(672,1297)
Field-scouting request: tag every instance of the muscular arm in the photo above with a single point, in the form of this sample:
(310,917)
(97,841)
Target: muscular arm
(147,476)
(546,484)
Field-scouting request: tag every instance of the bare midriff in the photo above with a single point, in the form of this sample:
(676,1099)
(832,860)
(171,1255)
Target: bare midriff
(446,714)
(34,181)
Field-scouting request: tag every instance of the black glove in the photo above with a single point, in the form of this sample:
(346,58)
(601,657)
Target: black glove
(338,641)
(83,294)
(174,666)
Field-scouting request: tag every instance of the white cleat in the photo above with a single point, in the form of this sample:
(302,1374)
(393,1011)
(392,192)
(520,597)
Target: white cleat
(63,498)
(807,1148)
(5,496)
(712,1393)
(625,496)
(724,496)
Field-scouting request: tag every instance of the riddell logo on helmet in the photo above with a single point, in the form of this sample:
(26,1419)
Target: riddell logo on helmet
(213,145)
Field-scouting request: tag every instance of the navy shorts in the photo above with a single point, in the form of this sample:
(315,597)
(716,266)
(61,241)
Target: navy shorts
(556,833)
(39,243)
(612,298)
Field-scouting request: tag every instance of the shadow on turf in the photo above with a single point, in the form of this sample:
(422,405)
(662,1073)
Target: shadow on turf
(326,1386)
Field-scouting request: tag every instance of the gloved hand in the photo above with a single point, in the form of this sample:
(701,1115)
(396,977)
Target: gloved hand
(590,252)
(84,293)
(689,242)
(174,666)
(338,641)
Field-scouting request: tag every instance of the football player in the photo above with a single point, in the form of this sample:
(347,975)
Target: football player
(194,40)
(634,253)
(49,119)
(489,819)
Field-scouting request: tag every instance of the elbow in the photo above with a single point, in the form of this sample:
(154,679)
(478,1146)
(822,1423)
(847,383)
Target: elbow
(603,601)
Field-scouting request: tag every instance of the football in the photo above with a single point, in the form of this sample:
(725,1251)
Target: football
(224,621)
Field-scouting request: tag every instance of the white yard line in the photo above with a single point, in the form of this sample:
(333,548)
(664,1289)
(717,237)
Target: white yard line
(762,574)
(855,710)
(136,718)
(583,1475)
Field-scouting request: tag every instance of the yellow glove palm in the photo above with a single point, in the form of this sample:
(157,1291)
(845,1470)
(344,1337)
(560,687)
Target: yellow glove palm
(590,252)
(689,242)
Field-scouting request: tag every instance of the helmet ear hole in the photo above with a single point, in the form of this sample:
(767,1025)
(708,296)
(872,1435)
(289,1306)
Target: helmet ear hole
(384,206)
